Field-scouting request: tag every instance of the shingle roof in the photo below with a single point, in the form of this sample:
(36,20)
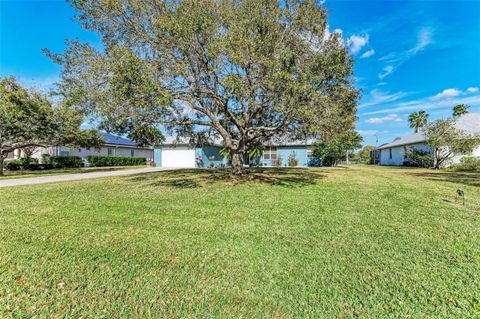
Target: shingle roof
(117,140)
(172,140)
(408,139)
(470,123)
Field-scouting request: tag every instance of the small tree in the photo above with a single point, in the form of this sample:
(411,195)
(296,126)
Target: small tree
(28,121)
(445,140)
(332,151)
(460,109)
(417,120)
(363,156)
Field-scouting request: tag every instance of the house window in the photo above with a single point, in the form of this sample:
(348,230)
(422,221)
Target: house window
(132,152)
(110,151)
(270,153)
(390,153)
(64,153)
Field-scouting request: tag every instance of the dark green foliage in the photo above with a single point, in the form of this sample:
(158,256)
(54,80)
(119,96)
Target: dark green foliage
(315,162)
(417,158)
(14,165)
(468,163)
(29,120)
(333,150)
(103,160)
(66,161)
(363,156)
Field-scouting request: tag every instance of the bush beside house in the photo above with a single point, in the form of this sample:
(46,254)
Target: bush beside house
(66,161)
(468,163)
(101,160)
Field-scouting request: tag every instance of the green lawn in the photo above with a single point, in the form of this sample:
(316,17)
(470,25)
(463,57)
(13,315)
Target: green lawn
(51,172)
(361,241)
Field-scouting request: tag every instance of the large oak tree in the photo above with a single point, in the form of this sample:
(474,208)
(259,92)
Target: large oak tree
(245,71)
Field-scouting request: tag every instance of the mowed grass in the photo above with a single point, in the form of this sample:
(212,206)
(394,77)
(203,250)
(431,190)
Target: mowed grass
(360,241)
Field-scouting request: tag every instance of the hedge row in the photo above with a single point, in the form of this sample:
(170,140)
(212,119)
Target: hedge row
(32,165)
(66,161)
(108,160)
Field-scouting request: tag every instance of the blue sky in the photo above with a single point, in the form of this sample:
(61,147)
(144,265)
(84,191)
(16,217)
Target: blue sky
(410,55)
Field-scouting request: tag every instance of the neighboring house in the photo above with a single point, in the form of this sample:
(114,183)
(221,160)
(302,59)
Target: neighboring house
(174,153)
(114,145)
(394,153)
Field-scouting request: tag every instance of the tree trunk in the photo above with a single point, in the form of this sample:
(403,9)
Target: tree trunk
(237,163)
(1,165)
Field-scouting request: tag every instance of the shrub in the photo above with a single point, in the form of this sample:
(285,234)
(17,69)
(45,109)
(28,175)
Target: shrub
(66,161)
(292,159)
(105,160)
(417,158)
(315,162)
(14,165)
(468,163)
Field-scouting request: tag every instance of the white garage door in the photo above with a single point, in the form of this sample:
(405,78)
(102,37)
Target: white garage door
(178,157)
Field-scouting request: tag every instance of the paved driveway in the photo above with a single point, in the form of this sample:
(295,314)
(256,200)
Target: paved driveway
(75,177)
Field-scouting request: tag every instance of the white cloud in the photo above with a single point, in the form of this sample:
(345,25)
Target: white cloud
(371,132)
(328,33)
(447,93)
(356,42)
(387,118)
(367,54)
(472,90)
(386,71)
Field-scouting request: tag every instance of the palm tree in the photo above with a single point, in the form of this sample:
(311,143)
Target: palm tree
(255,150)
(460,109)
(418,120)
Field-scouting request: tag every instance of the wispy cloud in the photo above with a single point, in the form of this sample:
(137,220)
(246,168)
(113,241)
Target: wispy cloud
(472,90)
(386,71)
(371,132)
(395,59)
(377,96)
(427,104)
(367,54)
(387,118)
(424,39)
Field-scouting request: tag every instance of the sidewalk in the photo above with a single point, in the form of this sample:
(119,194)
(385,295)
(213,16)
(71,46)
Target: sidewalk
(75,177)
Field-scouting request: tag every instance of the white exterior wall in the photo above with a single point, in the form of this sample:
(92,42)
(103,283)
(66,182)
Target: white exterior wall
(398,154)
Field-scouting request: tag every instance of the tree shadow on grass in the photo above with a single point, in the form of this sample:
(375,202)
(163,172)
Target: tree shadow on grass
(193,178)
(465,178)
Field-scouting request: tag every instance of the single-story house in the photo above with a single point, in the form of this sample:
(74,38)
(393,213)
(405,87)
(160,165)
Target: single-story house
(393,153)
(114,145)
(175,153)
